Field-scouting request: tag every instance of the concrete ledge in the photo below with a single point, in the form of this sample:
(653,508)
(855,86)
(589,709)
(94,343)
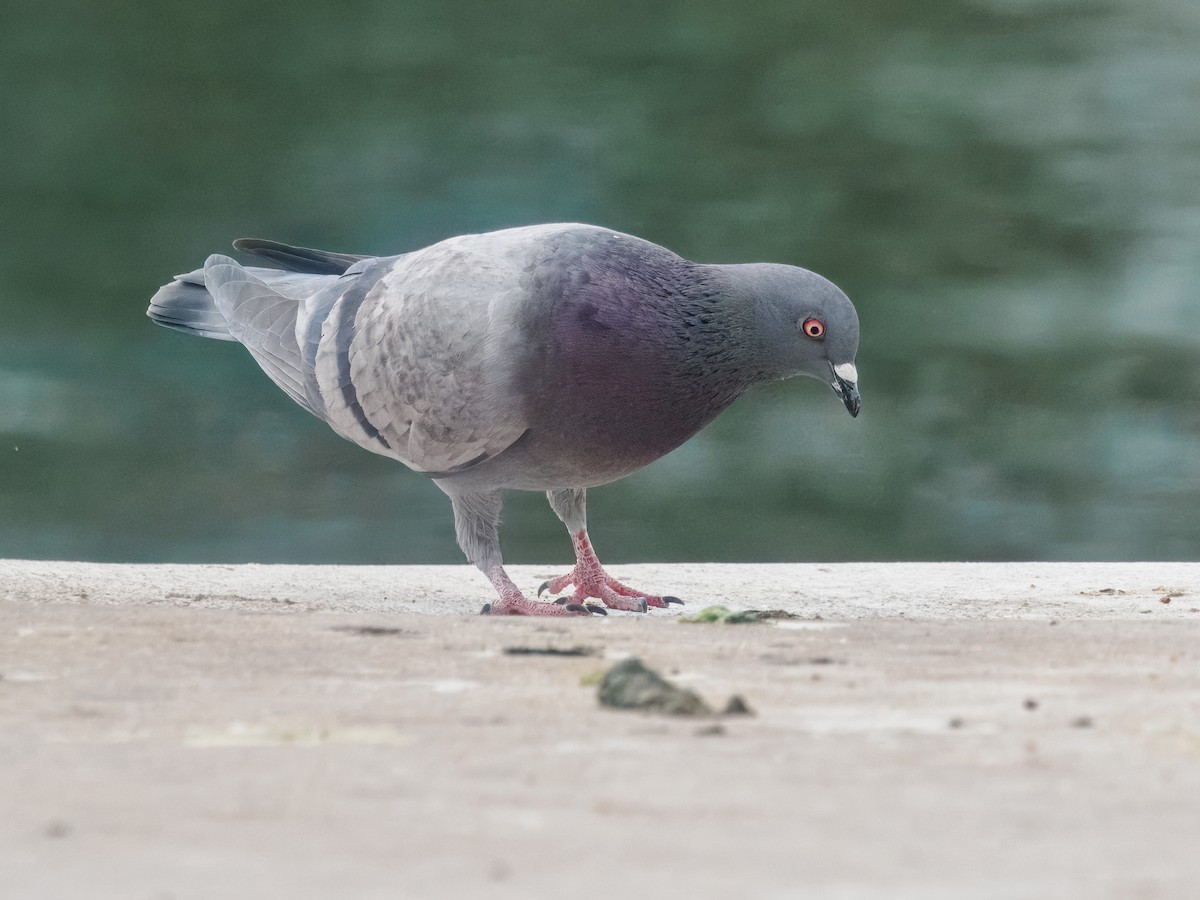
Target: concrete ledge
(832,591)
(922,731)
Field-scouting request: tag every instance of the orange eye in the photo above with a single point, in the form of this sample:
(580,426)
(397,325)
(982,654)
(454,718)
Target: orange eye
(814,328)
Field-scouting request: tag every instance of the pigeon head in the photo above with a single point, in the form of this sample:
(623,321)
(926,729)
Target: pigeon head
(807,326)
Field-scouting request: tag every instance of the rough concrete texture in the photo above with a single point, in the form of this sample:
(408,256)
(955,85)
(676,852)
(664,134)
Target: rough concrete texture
(923,731)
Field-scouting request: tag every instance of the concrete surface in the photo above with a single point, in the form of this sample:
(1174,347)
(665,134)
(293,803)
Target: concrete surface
(923,731)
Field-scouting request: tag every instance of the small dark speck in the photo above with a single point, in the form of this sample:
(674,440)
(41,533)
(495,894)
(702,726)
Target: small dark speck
(767,615)
(1082,722)
(57,828)
(711,730)
(1054,621)
(1030,703)
(550,651)
(956,722)
(737,706)
(1165,600)
(371,630)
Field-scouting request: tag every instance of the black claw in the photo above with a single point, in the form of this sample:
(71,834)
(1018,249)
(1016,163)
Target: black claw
(541,590)
(577,607)
(669,600)
(487,610)
(562,600)
(598,610)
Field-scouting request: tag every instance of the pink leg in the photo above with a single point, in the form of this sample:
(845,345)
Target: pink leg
(513,603)
(591,580)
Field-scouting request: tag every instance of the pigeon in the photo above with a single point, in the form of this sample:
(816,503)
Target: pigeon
(548,358)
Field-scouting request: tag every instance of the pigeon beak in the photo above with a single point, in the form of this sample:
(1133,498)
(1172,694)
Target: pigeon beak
(845,385)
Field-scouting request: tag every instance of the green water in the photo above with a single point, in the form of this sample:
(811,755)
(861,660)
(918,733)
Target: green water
(1009,190)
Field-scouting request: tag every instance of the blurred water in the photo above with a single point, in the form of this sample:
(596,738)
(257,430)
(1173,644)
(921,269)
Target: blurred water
(1009,189)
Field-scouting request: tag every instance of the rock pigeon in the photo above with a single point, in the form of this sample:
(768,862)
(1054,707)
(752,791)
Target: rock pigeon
(546,358)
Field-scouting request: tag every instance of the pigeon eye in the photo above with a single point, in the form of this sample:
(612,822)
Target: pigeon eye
(814,328)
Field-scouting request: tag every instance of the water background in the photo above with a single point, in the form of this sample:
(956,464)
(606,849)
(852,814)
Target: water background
(1009,190)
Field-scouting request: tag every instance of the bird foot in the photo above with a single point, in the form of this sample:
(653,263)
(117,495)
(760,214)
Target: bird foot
(513,603)
(592,582)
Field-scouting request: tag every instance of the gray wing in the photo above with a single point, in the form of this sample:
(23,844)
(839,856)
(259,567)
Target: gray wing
(416,358)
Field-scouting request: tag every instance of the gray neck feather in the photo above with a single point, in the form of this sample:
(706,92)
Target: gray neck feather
(762,329)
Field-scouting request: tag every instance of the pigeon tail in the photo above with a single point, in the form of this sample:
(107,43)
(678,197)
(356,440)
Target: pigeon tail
(185,305)
(262,319)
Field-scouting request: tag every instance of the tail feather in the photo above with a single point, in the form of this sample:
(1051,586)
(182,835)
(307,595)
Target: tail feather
(185,305)
(262,319)
(299,259)
(259,308)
